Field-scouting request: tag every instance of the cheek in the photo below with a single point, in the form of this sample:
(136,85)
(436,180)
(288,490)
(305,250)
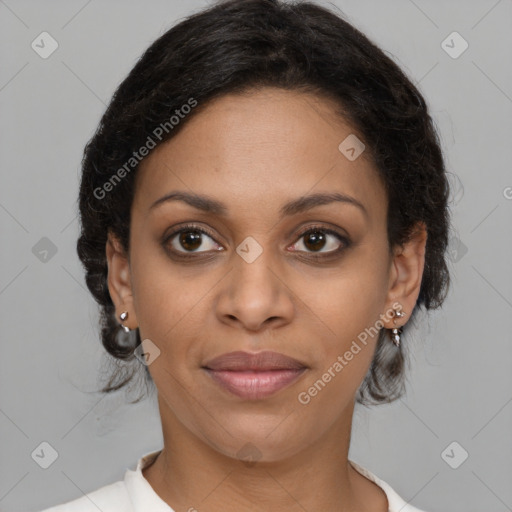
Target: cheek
(345,333)
(173,306)
(344,322)
(344,303)
(163,293)
(170,313)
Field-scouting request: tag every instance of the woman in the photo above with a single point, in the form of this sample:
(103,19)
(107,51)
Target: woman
(264,210)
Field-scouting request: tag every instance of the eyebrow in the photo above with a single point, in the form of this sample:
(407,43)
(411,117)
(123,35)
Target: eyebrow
(302,204)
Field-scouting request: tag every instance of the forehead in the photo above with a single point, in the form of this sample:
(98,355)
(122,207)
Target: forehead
(260,149)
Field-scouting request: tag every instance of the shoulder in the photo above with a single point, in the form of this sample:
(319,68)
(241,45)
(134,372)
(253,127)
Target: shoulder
(396,503)
(111,498)
(133,494)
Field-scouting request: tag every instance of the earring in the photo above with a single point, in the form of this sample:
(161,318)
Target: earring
(398,314)
(395,335)
(123,316)
(396,331)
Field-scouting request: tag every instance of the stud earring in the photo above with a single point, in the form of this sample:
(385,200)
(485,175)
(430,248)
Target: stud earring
(398,314)
(396,331)
(123,316)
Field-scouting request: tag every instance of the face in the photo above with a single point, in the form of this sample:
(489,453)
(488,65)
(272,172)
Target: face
(257,265)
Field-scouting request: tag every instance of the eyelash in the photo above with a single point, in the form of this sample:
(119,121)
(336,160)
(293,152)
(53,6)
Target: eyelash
(310,229)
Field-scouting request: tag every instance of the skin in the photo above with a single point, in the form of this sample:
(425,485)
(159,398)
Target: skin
(254,152)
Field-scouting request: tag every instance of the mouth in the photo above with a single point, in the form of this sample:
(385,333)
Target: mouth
(254,376)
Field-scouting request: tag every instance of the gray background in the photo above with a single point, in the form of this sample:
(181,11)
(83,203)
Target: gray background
(460,386)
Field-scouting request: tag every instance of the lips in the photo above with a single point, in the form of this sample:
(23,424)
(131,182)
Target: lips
(254,376)
(245,361)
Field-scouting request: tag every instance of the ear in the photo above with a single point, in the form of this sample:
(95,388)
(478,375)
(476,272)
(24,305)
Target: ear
(406,276)
(119,280)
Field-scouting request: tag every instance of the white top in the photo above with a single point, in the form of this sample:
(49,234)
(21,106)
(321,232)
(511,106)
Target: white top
(135,494)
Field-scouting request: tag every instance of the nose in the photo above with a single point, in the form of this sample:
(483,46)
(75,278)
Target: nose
(255,296)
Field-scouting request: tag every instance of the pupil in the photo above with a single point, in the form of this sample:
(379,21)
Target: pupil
(190,240)
(313,238)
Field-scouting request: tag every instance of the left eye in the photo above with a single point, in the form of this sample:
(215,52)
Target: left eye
(314,240)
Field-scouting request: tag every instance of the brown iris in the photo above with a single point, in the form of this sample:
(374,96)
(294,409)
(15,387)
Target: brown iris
(190,240)
(314,240)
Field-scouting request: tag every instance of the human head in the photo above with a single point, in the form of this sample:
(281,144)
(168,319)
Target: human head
(294,47)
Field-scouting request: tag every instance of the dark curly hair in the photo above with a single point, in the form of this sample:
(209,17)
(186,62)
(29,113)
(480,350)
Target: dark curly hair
(236,45)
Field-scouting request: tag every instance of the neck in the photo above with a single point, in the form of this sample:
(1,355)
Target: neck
(191,473)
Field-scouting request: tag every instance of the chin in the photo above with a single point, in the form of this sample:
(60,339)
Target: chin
(259,439)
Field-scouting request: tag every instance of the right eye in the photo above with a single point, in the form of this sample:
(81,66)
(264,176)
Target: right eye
(191,239)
